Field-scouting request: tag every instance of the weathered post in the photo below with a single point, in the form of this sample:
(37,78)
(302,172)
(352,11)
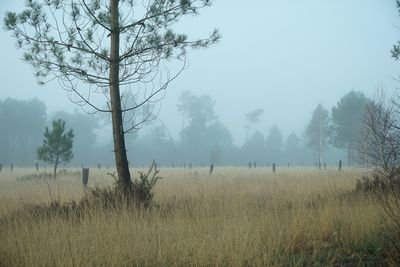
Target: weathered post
(340,165)
(273,167)
(249,165)
(12,167)
(211,169)
(85,177)
(98,166)
(1,167)
(37,167)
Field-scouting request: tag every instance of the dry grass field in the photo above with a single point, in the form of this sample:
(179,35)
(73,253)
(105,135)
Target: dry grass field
(236,217)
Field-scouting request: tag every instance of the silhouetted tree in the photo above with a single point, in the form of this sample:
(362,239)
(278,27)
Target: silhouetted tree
(317,133)
(84,127)
(346,122)
(293,149)
(198,110)
(254,148)
(57,145)
(274,144)
(253,118)
(199,114)
(22,123)
(156,145)
(115,49)
(217,142)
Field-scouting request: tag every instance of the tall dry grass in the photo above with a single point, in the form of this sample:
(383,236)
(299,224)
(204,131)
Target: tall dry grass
(237,217)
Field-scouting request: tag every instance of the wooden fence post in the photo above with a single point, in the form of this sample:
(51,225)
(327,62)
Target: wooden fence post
(211,169)
(85,177)
(273,167)
(340,165)
(12,167)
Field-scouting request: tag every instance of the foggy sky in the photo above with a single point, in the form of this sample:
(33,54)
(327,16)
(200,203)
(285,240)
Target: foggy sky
(284,56)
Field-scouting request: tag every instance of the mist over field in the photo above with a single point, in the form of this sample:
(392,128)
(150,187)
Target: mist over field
(282,58)
(200,133)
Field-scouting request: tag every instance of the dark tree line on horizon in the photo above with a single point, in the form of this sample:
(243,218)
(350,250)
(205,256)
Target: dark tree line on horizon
(203,138)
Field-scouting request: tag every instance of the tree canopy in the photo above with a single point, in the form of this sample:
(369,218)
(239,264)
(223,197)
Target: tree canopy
(254,149)
(318,133)
(346,121)
(274,144)
(22,123)
(112,56)
(57,145)
(293,149)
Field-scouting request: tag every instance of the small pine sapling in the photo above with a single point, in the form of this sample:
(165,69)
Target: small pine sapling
(57,145)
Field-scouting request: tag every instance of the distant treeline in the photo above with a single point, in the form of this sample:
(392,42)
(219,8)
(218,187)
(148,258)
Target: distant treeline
(203,138)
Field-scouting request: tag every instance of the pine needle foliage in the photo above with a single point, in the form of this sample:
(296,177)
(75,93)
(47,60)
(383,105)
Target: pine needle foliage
(57,145)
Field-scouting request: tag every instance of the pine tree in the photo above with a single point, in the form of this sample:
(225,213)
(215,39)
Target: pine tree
(346,122)
(57,145)
(116,50)
(318,132)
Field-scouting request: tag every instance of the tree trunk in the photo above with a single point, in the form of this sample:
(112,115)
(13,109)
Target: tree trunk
(55,168)
(121,160)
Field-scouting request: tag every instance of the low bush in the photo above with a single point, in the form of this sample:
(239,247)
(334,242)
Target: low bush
(138,195)
(376,184)
(386,188)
